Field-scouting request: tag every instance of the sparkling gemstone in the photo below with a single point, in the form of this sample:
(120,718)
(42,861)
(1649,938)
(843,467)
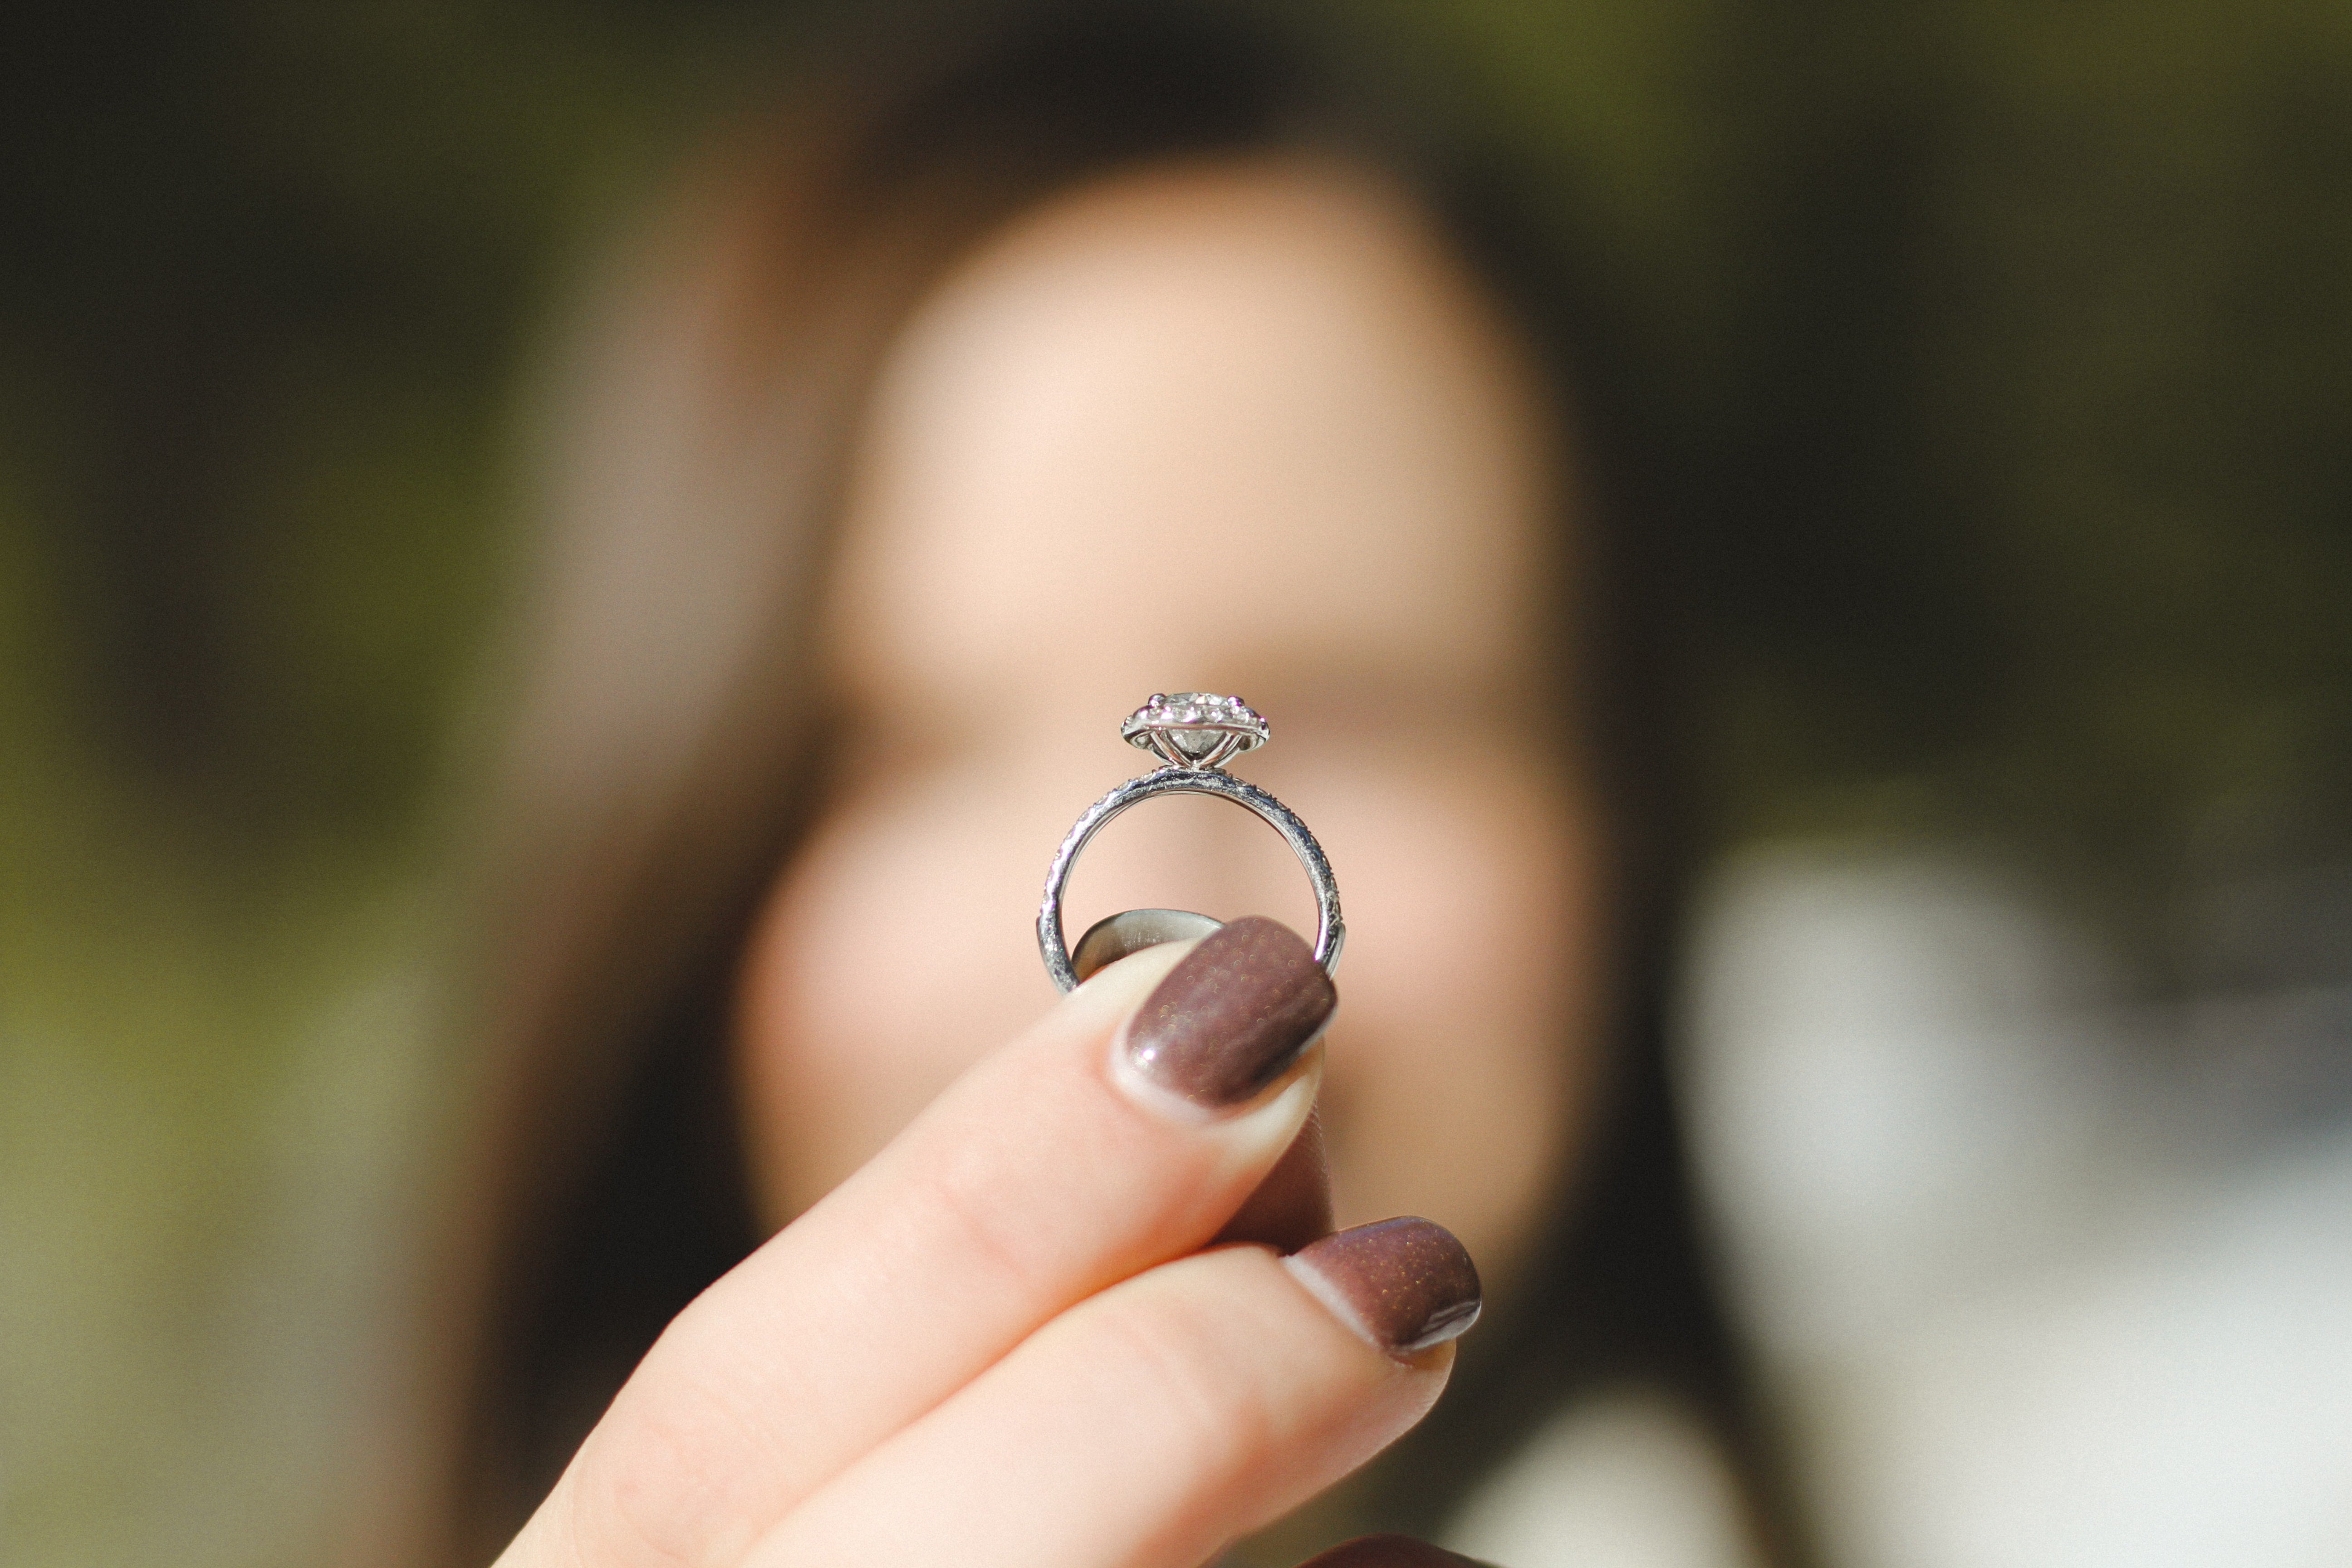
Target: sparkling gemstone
(1194,729)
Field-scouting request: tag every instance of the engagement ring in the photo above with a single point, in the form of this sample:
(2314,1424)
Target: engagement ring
(1194,734)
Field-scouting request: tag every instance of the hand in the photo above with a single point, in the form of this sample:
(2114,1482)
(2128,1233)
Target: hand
(1001,1342)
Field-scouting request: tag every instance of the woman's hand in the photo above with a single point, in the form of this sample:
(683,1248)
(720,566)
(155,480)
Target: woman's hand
(1000,1342)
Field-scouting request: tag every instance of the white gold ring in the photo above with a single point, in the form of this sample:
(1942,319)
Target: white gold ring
(1194,734)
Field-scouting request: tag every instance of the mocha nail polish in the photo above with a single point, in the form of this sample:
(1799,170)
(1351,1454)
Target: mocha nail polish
(1404,1284)
(1391,1551)
(1232,1015)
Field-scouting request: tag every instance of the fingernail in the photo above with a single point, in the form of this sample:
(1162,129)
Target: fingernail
(1391,1551)
(1404,1284)
(1232,1015)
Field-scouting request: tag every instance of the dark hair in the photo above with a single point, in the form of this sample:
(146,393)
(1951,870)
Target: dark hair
(649,811)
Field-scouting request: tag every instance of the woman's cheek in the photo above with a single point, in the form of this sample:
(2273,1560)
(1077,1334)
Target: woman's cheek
(894,951)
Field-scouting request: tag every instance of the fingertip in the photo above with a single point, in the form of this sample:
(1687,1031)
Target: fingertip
(1233,1017)
(1406,1285)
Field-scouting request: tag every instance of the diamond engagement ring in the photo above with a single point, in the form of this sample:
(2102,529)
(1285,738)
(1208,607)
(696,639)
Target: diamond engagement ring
(1193,734)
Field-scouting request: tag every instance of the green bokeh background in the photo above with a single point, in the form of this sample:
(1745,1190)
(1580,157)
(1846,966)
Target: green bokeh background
(1994,359)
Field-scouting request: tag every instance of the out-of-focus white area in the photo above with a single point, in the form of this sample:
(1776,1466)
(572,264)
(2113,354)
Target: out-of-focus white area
(2040,1277)
(1626,1481)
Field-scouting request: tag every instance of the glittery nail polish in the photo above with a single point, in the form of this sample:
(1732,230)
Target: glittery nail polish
(1404,1284)
(1229,1018)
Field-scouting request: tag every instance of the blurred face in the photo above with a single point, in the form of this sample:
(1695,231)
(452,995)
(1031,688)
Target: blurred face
(1237,427)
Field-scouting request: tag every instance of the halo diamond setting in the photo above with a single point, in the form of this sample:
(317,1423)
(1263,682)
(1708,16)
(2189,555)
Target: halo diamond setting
(1194,729)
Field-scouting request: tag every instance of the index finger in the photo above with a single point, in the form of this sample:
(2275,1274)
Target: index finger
(1120,1132)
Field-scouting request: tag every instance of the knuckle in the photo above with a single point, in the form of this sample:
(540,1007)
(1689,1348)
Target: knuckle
(1217,1405)
(992,1241)
(656,1500)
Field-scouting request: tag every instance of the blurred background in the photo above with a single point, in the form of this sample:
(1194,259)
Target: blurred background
(1995,360)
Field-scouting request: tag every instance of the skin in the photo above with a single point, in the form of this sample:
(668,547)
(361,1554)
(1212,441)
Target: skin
(1235,426)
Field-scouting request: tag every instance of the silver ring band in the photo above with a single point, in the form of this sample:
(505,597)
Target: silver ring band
(1330,931)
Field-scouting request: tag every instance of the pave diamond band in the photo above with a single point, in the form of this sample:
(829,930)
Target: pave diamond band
(1194,734)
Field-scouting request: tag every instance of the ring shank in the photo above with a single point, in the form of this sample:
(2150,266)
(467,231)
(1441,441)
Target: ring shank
(1330,931)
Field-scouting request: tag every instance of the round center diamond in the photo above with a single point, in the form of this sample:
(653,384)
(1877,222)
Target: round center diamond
(1194,729)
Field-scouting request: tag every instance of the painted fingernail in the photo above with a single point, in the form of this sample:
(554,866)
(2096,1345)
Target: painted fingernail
(1228,1019)
(1391,1551)
(1404,1284)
